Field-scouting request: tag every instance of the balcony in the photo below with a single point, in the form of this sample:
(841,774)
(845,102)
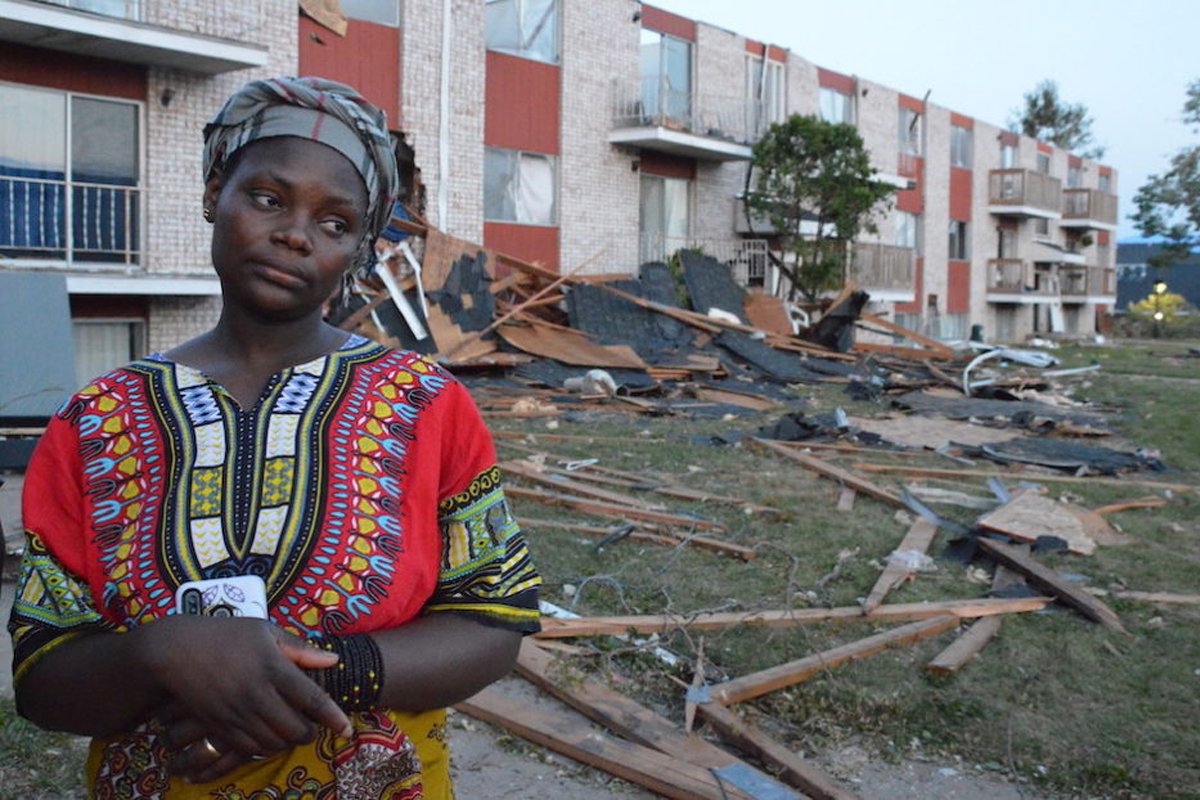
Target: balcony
(1087,284)
(114,33)
(747,259)
(1024,193)
(48,221)
(1013,280)
(1088,208)
(886,272)
(650,115)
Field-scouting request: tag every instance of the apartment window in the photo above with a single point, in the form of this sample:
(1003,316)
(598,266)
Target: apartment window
(1043,163)
(380,12)
(1041,228)
(908,231)
(1006,246)
(518,187)
(666,71)
(664,214)
(1105,183)
(526,28)
(70,177)
(959,249)
(836,106)
(122,9)
(1008,156)
(960,146)
(1074,180)
(764,94)
(909,132)
(103,345)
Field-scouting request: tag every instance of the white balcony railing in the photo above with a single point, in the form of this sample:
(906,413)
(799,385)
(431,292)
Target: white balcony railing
(121,9)
(883,266)
(652,101)
(43,219)
(747,259)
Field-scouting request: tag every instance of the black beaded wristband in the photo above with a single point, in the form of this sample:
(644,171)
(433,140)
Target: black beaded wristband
(356,681)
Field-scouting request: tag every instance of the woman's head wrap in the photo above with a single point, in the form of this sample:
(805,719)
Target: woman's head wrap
(321,110)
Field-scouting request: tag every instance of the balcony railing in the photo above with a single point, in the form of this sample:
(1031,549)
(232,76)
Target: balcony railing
(43,219)
(1022,191)
(882,266)
(121,9)
(651,101)
(746,258)
(1089,205)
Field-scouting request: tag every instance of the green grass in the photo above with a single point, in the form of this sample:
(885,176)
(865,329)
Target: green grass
(36,763)
(1054,700)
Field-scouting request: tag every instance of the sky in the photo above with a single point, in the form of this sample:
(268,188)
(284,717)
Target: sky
(1129,63)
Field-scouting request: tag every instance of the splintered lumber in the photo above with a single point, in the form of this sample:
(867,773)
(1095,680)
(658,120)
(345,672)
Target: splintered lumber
(1050,581)
(918,539)
(1141,502)
(792,769)
(597,530)
(1151,597)
(927,472)
(740,399)
(972,640)
(1029,515)
(618,713)
(570,348)
(888,325)
(757,684)
(563,734)
(827,470)
(529,472)
(646,624)
(603,509)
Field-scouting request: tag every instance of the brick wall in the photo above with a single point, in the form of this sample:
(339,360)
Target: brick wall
(174,320)
(721,65)
(598,187)
(937,205)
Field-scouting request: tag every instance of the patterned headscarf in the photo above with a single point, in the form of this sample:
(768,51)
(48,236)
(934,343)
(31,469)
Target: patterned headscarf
(321,110)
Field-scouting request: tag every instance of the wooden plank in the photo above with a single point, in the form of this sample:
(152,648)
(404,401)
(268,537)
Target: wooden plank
(918,538)
(827,470)
(561,733)
(603,509)
(924,472)
(646,624)
(741,399)
(529,472)
(1141,502)
(757,684)
(1029,514)
(601,531)
(618,713)
(891,327)
(1048,580)
(792,769)
(570,349)
(1168,598)
(971,641)
(768,313)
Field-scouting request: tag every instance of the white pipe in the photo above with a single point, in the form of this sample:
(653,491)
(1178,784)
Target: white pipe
(443,199)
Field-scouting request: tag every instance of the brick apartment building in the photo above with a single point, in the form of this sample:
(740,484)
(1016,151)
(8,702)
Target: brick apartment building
(557,130)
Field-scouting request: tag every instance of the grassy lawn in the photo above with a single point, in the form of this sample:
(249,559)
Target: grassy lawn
(1054,700)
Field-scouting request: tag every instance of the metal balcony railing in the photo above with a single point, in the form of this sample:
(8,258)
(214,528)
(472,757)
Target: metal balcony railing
(121,9)
(882,266)
(1090,204)
(652,101)
(746,258)
(1087,281)
(1024,188)
(44,219)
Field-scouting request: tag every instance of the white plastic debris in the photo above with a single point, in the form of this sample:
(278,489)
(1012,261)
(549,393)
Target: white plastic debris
(596,381)
(912,560)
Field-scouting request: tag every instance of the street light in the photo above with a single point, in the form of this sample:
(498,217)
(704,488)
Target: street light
(1160,288)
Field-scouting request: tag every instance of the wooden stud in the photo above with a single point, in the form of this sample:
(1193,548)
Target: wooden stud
(827,470)
(918,539)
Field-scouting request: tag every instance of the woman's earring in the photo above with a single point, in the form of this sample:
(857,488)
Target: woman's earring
(208,214)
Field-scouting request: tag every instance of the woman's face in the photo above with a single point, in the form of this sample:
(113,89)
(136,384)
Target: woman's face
(288,220)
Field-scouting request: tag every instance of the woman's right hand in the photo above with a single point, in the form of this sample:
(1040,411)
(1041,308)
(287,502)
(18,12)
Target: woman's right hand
(241,681)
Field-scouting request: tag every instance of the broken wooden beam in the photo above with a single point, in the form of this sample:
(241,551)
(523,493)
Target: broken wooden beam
(792,769)
(918,539)
(827,470)
(768,680)
(561,733)
(925,472)
(1048,580)
(530,472)
(639,535)
(972,640)
(604,509)
(646,624)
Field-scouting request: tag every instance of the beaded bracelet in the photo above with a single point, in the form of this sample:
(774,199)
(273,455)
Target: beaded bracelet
(356,681)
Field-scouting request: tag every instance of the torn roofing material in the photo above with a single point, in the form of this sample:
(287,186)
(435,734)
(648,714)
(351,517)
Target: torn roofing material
(710,285)
(959,407)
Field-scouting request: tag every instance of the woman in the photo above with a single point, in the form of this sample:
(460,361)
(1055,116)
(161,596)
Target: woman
(357,482)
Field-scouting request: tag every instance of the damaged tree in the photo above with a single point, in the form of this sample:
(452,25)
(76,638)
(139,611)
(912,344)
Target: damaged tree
(813,181)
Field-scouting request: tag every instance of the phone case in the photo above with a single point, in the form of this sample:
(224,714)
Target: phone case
(239,596)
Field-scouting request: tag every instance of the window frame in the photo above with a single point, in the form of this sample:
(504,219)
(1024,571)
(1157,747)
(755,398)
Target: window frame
(516,156)
(69,259)
(771,109)
(961,147)
(909,132)
(850,111)
(525,52)
(1104,183)
(350,10)
(1044,159)
(915,226)
(960,233)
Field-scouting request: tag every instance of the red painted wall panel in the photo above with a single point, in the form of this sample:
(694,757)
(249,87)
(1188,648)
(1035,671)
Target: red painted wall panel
(531,243)
(961,121)
(668,166)
(958,287)
(918,290)
(1074,161)
(1103,238)
(1045,148)
(367,58)
(54,69)
(960,194)
(911,103)
(1010,138)
(835,80)
(755,48)
(521,104)
(776,53)
(1106,171)
(671,24)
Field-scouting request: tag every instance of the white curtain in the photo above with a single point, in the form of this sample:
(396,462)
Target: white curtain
(535,190)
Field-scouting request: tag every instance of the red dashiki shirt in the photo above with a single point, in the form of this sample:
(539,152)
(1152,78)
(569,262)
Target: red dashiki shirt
(362,487)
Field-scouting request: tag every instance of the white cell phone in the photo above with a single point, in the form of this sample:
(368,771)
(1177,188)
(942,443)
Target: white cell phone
(239,596)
